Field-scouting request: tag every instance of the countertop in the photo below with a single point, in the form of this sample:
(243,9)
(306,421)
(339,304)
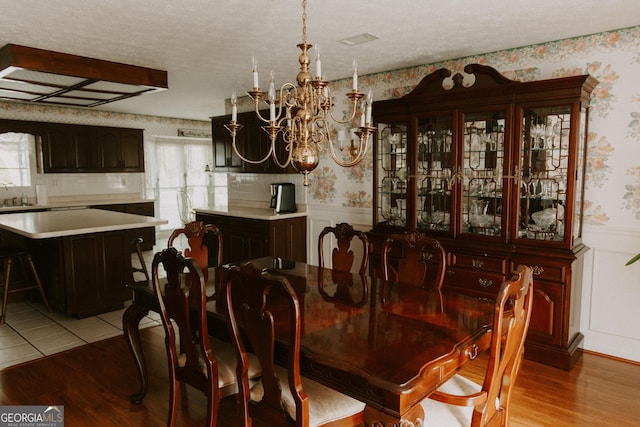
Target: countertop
(61,223)
(249,212)
(70,204)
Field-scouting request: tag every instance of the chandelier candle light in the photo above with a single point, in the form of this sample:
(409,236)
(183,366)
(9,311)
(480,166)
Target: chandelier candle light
(301,116)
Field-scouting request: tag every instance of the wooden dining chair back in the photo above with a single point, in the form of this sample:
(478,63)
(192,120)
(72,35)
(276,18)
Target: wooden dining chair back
(193,357)
(139,270)
(488,405)
(343,256)
(204,244)
(415,254)
(262,305)
(343,288)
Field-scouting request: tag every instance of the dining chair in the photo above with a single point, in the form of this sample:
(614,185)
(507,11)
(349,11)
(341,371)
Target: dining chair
(204,244)
(193,357)
(461,402)
(141,267)
(343,288)
(261,305)
(343,257)
(416,254)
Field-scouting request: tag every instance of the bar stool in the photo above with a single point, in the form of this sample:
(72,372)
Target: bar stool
(9,254)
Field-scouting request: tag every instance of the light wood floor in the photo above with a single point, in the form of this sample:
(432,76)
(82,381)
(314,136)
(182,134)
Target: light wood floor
(93,383)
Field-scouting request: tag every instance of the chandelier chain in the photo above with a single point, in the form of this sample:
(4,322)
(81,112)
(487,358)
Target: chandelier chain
(304,21)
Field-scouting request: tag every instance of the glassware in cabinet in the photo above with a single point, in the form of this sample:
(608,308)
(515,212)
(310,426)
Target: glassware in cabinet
(545,166)
(483,154)
(392,174)
(435,162)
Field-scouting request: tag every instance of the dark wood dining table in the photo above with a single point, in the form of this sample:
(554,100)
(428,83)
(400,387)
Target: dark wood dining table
(386,344)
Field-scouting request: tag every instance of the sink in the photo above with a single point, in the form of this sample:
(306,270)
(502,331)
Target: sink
(15,207)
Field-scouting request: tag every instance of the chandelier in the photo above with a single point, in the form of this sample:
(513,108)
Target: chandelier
(300,115)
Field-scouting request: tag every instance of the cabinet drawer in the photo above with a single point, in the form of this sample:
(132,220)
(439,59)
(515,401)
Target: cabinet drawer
(479,281)
(479,262)
(543,270)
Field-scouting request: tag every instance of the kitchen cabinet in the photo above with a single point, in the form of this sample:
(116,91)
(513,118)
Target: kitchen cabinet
(121,149)
(69,148)
(225,159)
(494,169)
(148,234)
(85,274)
(252,142)
(248,238)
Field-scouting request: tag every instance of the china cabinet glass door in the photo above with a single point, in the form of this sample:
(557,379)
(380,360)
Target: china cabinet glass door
(435,151)
(545,169)
(483,155)
(393,174)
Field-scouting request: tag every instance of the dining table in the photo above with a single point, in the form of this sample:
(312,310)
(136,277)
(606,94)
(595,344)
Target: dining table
(386,344)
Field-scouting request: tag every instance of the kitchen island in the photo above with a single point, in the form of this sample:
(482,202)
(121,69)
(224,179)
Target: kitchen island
(253,232)
(83,256)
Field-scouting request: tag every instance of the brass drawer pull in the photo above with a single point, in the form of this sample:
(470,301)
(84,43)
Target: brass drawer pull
(485,283)
(472,352)
(477,263)
(427,256)
(536,270)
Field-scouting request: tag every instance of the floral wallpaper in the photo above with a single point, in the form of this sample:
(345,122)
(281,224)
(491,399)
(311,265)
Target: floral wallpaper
(613,165)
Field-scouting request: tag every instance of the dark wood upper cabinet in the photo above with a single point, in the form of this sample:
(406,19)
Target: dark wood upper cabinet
(69,148)
(224,157)
(94,149)
(252,142)
(121,150)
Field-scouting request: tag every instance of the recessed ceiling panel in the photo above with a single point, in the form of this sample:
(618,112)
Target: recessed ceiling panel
(43,78)
(69,101)
(91,94)
(114,87)
(15,95)
(26,87)
(39,75)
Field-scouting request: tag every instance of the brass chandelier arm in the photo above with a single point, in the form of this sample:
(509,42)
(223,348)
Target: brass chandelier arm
(244,159)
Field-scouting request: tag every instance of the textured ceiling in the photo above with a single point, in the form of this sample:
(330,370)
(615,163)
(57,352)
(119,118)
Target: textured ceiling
(206,46)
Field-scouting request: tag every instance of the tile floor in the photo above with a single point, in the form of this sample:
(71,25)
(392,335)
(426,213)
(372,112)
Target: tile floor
(31,332)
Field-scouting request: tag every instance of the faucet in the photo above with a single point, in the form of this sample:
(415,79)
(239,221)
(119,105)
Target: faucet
(7,202)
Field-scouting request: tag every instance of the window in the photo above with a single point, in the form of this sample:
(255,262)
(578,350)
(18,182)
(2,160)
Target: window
(178,178)
(18,155)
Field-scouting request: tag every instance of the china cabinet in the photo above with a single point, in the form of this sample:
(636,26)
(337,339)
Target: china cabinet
(494,169)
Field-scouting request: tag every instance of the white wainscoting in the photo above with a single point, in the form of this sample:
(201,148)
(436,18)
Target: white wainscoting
(610,315)
(321,216)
